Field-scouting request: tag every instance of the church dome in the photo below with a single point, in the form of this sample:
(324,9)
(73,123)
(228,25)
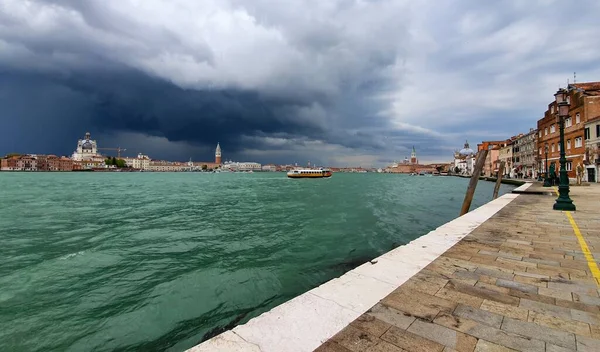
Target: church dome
(466,151)
(87,146)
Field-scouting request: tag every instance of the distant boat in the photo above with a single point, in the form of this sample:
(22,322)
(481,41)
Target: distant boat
(309,173)
(413,174)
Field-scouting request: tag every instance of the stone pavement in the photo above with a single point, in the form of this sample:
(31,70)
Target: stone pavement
(520,281)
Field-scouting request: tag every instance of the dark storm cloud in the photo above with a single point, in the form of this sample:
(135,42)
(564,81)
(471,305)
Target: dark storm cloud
(200,73)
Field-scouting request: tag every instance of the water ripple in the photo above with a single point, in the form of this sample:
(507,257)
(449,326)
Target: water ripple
(152,261)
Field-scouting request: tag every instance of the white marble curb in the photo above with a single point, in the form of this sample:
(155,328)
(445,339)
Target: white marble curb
(307,321)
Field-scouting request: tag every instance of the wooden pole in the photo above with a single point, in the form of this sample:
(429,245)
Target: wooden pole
(481,155)
(498,180)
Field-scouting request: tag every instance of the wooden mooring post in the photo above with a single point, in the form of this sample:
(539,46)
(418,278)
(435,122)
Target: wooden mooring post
(481,155)
(498,180)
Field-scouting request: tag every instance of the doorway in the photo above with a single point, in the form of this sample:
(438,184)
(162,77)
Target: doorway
(591,174)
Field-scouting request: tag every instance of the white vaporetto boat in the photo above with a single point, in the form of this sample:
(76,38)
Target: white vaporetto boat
(309,173)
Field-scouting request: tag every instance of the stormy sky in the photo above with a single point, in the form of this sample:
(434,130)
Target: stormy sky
(336,82)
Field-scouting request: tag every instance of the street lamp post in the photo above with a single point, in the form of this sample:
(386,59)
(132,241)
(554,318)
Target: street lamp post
(546,177)
(563,202)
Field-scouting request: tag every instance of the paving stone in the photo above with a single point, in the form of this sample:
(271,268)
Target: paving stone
(586,344)
(331,346)
(479,315)
(486,346)
(383,346)
(595,329)
(483,293)
(571,287)
(557,337)
(547,255)
(578,306)
(561,269)
(371,325)
(532,296)
(533,275)
(355,339)
(574,264)
(568,325)
(391,316)
(515,264)
(577,297)
(409,341)
(458,297)
(553,348)
(418,304)
(502,255)
(505,309)
(443,335)
(507,274)
(519,242)
(587,317)
(531,281)
(542,261)
(488,333)
(517,286)
(492,287)
(483,259)
(556,293)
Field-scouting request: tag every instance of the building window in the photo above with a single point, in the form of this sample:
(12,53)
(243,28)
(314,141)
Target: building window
(578,142)
(597,131)
(552,148)
(577,118)
(552,109)
(540,151)
(540,133)
(568,144)
(569,165)
(586,133)
(569,100)
(546,131)
(552,129)
(568,122)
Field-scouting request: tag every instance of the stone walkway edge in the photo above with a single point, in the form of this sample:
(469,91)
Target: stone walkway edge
(307,321)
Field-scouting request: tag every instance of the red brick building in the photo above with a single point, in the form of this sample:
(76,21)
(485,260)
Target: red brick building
(585,105)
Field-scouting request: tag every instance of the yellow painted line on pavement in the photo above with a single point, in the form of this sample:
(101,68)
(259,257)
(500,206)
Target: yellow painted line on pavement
(584,247)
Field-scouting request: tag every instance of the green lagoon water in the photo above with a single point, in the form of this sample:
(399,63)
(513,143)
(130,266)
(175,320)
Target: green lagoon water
(161,261)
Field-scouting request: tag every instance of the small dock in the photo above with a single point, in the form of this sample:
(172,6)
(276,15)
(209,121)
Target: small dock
(510,275)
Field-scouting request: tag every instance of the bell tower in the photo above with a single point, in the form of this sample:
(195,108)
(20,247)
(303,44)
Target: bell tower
(218,154)
(413,156)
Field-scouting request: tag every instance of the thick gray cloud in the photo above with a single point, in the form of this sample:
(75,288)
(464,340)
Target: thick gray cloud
(333,82)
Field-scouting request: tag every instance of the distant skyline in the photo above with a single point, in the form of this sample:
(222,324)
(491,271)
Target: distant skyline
(335,82)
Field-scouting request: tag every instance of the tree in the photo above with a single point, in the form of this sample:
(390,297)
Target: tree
(114,161)
(121,163)
(439,168)
(204,167)
(108,161)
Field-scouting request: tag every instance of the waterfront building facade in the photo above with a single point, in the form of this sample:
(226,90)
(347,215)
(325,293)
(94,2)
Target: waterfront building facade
(464,161)
(141,162)
(269,167)
(505,155)
(592,149)
(584,99)
(9,164)
(525,154)
(490,167)
(241,166)
(167,166)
